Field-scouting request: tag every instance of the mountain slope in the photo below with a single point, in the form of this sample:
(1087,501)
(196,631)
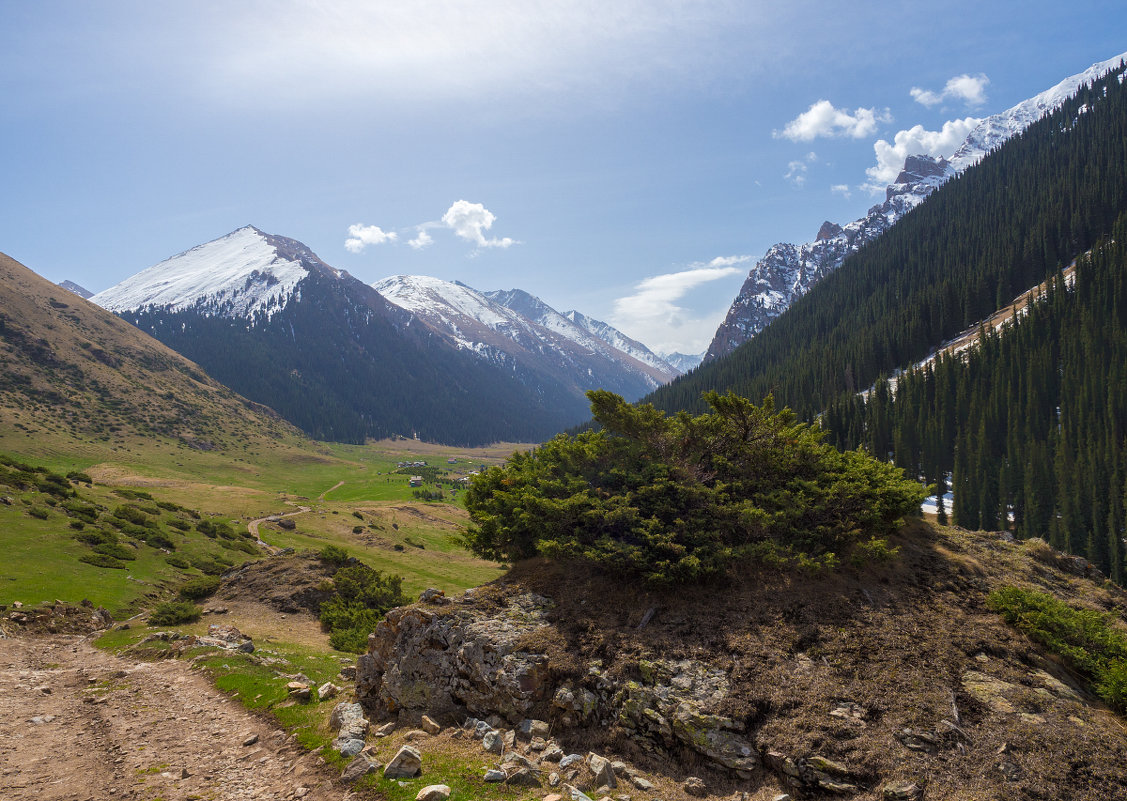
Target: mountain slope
(1022,213)
(267,317)
(522,333)
(73,370)
(788,271)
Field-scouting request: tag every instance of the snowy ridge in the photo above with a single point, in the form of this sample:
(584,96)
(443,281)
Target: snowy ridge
(243,274)
(620,342)
(520,331)
(786,272)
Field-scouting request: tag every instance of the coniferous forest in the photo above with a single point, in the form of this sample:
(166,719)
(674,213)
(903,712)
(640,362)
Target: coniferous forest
(1031,423)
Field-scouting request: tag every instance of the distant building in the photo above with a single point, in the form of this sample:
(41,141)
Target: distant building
(416,481)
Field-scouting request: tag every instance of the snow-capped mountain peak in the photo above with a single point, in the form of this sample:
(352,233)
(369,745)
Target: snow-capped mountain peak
(787,271)
(243,274)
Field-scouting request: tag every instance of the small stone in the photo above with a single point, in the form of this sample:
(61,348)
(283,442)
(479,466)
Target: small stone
(538,744)
(642,784)
(349,748)
(494,776)
(328,690)
(523,777)
(695,786)
(532,728)
(348,672)
(357,769)
(553,797)
(901,791)
(604,773)
(298,691)
(553,753)
(386,729)
(492,742)
(554,779)
(570,760)
(184,773)
(782,797)
(620,769)
(430,726)
(406,764)
(433,792)
(250,740)
(414,734)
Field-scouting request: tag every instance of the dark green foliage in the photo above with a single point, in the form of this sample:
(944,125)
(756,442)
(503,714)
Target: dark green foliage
(358,516)
(38,512)
(215,528)
(361,597)
(133,495)
(96,537)
(200,587)
(1089,641)
(158,539)
(178,524)
(207,566)
(173,613)
(102,560)
(429,495)
(122,552)
(678,499)
(178,561)
(82,478)
(132,514)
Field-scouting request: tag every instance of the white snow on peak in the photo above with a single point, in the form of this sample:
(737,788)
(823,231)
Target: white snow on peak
(996,129)
(450,303)
(619,341)
(238,275)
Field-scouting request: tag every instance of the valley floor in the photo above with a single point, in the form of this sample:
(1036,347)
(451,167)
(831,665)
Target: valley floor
(79,724)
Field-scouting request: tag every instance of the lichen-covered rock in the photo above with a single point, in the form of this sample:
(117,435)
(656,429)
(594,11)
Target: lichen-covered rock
(447,659)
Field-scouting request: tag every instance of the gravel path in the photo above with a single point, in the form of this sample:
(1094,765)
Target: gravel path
(77,724)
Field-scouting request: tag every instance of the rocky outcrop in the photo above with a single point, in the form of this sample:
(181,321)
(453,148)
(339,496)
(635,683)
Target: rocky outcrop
(450,661)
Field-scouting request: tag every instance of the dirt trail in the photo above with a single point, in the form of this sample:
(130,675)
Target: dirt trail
(77,724)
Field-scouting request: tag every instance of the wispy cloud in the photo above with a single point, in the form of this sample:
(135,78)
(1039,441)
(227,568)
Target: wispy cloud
(841,189)
(970,89)
(470,221)
(360,236)
(914,141)
(824,120)
(654,314)
(796,170)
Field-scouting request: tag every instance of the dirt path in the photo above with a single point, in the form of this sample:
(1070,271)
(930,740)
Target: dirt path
(77,724)
(252,526)
(321,497)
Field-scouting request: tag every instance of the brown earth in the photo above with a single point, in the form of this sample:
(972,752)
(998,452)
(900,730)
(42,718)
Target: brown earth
(78,724)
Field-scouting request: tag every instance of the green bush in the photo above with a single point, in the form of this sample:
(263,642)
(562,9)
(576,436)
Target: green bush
(158,539)
(333,555)
(679,499)
(83,478)
(207,566)
(102,560)
(178,561)
(200,587)
(362,596)
(178,524)
(122,552)
(1086,639)
(38,512)
(173,613)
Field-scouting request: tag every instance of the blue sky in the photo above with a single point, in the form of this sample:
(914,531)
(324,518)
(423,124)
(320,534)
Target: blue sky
(629,159)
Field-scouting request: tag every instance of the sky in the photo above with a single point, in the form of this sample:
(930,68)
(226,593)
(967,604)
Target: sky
(631,159)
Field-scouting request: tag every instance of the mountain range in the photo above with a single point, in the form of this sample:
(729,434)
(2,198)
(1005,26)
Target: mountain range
(411,355)
(788,271)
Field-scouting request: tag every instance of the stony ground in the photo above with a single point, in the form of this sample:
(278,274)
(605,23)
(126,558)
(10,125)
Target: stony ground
(77,724)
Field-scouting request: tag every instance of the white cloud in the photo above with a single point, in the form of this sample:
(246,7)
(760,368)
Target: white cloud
(470,221)
(796,173)
(971,89)
(652,314)
(912,142)
(841,189)
(360,236)
(421,241)
(823,120)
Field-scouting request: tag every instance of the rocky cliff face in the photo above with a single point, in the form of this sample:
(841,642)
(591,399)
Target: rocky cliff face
(866,685)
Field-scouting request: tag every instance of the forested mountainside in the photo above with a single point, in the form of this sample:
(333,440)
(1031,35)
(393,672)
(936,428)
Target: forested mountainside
(984,237)
(1031,421)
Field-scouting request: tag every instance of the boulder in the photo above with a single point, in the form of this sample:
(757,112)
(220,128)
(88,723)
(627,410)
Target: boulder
(523,777)
(602,770)
(695,786)
(406,764)
(358,768)
(433,792)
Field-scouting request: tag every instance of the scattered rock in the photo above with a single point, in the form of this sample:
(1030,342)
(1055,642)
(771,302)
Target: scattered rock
(433,792)
(570,760)
(327,691)
(493,776)
(250,740)
(554,779)
(358,768)
(492,742)
(406,764)
(385,730)
(695,786)
(902,791)
(529,729)
(601,768)
(915,740)
(430,725)
(433,596)
(553,753)
(348,748)
(642,784)
(523,777)
(298,692)
(348,672)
